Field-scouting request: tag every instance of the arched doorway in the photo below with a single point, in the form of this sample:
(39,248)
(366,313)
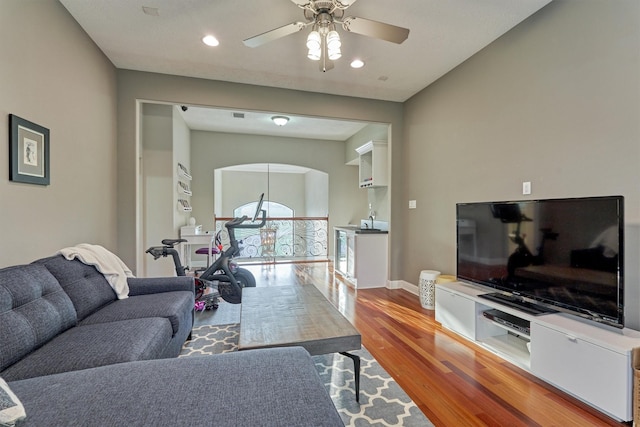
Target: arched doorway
(296,201)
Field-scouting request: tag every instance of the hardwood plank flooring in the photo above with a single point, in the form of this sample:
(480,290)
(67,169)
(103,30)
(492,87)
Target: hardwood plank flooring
(453,381)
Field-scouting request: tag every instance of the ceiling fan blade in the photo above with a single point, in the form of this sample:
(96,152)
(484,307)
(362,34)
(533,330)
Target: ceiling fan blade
(301,3)
(285,30)
(344,3)
(376,29)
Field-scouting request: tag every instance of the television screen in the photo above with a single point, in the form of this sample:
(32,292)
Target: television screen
(563,253)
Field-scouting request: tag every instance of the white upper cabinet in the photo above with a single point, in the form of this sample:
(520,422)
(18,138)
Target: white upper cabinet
(373,164)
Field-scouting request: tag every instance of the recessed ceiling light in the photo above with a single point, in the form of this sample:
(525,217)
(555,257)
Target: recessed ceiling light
(210,40)
(280,120)
(357,63)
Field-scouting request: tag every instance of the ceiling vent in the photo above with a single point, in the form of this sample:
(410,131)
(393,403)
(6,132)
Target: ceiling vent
(151,11)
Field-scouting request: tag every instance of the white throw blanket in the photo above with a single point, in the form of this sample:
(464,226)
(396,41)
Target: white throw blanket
(107,263)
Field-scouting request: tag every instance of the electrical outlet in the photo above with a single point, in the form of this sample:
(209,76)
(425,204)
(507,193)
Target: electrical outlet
(526,187)
(412,204)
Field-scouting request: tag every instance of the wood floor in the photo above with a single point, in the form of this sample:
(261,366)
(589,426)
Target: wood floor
(454,382)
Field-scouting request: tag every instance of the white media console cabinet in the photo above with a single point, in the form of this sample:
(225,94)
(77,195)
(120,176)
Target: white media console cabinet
(589,361)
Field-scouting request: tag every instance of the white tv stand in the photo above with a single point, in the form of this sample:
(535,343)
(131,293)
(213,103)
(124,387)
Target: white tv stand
(588,361)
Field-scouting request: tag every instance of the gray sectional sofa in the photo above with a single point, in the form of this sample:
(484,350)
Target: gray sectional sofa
(58,316)
(74,354)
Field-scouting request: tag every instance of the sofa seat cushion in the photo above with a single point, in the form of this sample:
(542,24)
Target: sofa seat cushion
(88,346)
(271,387)
(86,286)
(175,306)
(33,309)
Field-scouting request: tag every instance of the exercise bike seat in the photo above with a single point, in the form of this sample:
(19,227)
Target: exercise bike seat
(171,242)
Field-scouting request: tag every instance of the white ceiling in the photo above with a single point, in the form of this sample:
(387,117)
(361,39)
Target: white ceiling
(260,123)
(443,34)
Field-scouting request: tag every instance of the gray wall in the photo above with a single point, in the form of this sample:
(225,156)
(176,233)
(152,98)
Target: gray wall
(371,132)
(378,197)
(165,143)
(157,183)
(182,155)
(211,151)
(134,86)
(52,74)
(316,194)
(556,101)
(241,187)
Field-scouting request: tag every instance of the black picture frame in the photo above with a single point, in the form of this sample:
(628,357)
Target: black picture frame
(28,152)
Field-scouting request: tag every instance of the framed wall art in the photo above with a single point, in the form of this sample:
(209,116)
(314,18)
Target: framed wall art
(28,152)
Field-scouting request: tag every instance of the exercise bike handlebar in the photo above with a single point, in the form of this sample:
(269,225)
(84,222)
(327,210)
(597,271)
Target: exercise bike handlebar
(238,222)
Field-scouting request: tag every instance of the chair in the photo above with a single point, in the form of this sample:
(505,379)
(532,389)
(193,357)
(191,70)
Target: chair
(210,254)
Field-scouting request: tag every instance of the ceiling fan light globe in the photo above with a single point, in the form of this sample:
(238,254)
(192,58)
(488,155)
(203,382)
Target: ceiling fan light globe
(314,54)
(312,45)
(334,44)
(334,54)
(313,40)
(333,40)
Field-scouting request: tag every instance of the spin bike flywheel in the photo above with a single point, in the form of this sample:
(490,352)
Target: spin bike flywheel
(228,292)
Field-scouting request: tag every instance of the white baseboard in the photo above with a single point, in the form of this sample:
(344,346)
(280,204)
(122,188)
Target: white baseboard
(402,284)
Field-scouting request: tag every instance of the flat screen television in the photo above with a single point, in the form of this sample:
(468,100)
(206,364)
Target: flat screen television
(559,254)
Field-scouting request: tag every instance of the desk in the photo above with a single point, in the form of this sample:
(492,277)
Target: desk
(198,239)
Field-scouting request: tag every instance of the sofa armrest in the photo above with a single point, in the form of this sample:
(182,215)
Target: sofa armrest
(152,285)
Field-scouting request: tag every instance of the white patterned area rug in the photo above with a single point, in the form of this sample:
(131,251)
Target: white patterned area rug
(382,400)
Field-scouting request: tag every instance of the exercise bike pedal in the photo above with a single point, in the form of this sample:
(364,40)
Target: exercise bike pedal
(208,301)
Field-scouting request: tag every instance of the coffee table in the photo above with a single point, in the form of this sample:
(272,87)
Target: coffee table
(281,316)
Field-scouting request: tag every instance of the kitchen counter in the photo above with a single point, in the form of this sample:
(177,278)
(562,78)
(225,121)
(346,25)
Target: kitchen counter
(358,230)
(361,255)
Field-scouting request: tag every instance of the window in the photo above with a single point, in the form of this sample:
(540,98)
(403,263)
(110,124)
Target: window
(274,210)
(284,230)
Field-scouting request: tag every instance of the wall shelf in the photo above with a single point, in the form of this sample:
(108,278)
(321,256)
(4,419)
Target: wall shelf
(183,188)
(373,164)
(184,205)
(513,346)
(183,172)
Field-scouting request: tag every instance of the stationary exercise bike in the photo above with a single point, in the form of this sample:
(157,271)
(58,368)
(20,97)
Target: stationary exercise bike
(509,213)
(223,275)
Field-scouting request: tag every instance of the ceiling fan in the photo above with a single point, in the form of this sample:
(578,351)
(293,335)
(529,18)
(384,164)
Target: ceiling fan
(324,41)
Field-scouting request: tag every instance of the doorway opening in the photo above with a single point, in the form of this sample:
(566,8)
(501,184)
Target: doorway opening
(297,205)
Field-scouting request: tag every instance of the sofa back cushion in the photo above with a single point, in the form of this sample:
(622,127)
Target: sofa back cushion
(86,286)
(33,309)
